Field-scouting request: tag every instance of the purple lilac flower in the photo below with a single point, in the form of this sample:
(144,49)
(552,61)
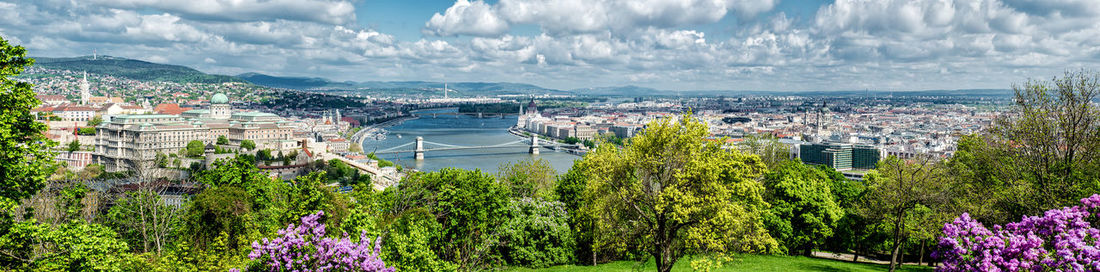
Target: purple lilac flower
(1059,240)
(305,248)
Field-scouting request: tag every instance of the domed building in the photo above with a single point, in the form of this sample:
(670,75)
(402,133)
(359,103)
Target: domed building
(128,142)
(219,107)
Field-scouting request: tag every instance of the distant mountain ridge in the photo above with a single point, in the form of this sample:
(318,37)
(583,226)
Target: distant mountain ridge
(133,69)
(149,71)
(316,83)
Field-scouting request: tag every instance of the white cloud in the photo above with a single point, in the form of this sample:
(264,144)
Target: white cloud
(563,17)
(466,18)
(322,11)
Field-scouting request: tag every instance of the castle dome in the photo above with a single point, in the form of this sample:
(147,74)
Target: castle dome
(219,98)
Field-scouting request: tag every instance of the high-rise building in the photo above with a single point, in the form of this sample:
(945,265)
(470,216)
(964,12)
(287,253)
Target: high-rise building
(839,156)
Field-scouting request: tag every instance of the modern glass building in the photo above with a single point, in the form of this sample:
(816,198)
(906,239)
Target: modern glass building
(839,156)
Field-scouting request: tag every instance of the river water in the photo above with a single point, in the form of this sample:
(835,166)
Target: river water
(461,130)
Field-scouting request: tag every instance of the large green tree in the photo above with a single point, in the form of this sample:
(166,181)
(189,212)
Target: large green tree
(1052,138)
(670,193)
(528,178)
(25,157)
(897,193)
(802,213)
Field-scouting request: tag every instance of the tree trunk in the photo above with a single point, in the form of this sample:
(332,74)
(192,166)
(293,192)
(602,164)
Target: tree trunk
(920,260)
(897,244)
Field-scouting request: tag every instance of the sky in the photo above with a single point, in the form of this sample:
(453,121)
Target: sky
(764,45)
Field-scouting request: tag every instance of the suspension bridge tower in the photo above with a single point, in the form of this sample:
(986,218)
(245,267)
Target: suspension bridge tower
(418,153)
(534,144)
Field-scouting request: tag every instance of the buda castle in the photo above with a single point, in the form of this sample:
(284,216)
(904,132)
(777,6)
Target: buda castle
(129,142)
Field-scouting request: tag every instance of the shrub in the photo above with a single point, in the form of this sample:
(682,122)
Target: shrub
(537,234)
(305,248)
(1060,240)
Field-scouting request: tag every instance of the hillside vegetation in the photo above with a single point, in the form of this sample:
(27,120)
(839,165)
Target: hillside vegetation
(133,69)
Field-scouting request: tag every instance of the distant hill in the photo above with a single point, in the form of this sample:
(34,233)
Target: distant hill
(292,82)
(629,90)
(315,83)
(133,69)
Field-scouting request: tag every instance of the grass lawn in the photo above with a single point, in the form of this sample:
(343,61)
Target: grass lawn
(741,263)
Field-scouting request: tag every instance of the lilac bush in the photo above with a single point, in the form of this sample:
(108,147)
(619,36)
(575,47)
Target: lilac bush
(1060,240)
(305,248)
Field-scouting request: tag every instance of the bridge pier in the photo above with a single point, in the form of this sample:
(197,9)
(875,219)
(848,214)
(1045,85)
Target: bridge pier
(479,115)
(418,153)
(534,145)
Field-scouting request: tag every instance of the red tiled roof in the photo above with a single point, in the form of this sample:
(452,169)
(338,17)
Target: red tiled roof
(170,108)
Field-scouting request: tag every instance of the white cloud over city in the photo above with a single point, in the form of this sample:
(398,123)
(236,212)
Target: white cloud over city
(665,44)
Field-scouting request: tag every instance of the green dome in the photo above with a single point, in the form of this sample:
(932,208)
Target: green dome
(219,98)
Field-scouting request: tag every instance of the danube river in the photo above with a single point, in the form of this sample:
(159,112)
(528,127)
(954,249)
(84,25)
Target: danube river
(461,130)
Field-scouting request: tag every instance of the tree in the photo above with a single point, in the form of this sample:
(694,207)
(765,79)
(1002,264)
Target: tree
(86,131)
(528,178)
(1052,137)
(570,191)
(767,147)
(74,146)
(536,233)
(897,188)
(248,144)
(25,157)
(671,193)
(309,195)
(95,121)
(161,160)
(466,204)
(143,218)
(195,148)
(802,213)
(222,140)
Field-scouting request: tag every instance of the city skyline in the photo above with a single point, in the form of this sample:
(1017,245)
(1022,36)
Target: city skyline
(674,45)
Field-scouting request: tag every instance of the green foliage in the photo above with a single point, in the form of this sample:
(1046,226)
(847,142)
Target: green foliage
(895,191)
(25,157)
(144,220)
(309,195)
(222,209)
(70,201)
(74,146)
(381,162)
(195,148)
(95,121)
(340,172)
(264,155)
(802,213)
(767,147)
(1046,152)
(182,257)
(222,140)
(670,193)
(135,69)
(78,246)
(536,233)
(86,131)
(570,191)
(528,178)
(410,243)
(248,144)
(161,160)
(571,140)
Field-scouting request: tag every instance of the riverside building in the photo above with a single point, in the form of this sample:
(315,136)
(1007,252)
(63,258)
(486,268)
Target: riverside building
(129,142)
